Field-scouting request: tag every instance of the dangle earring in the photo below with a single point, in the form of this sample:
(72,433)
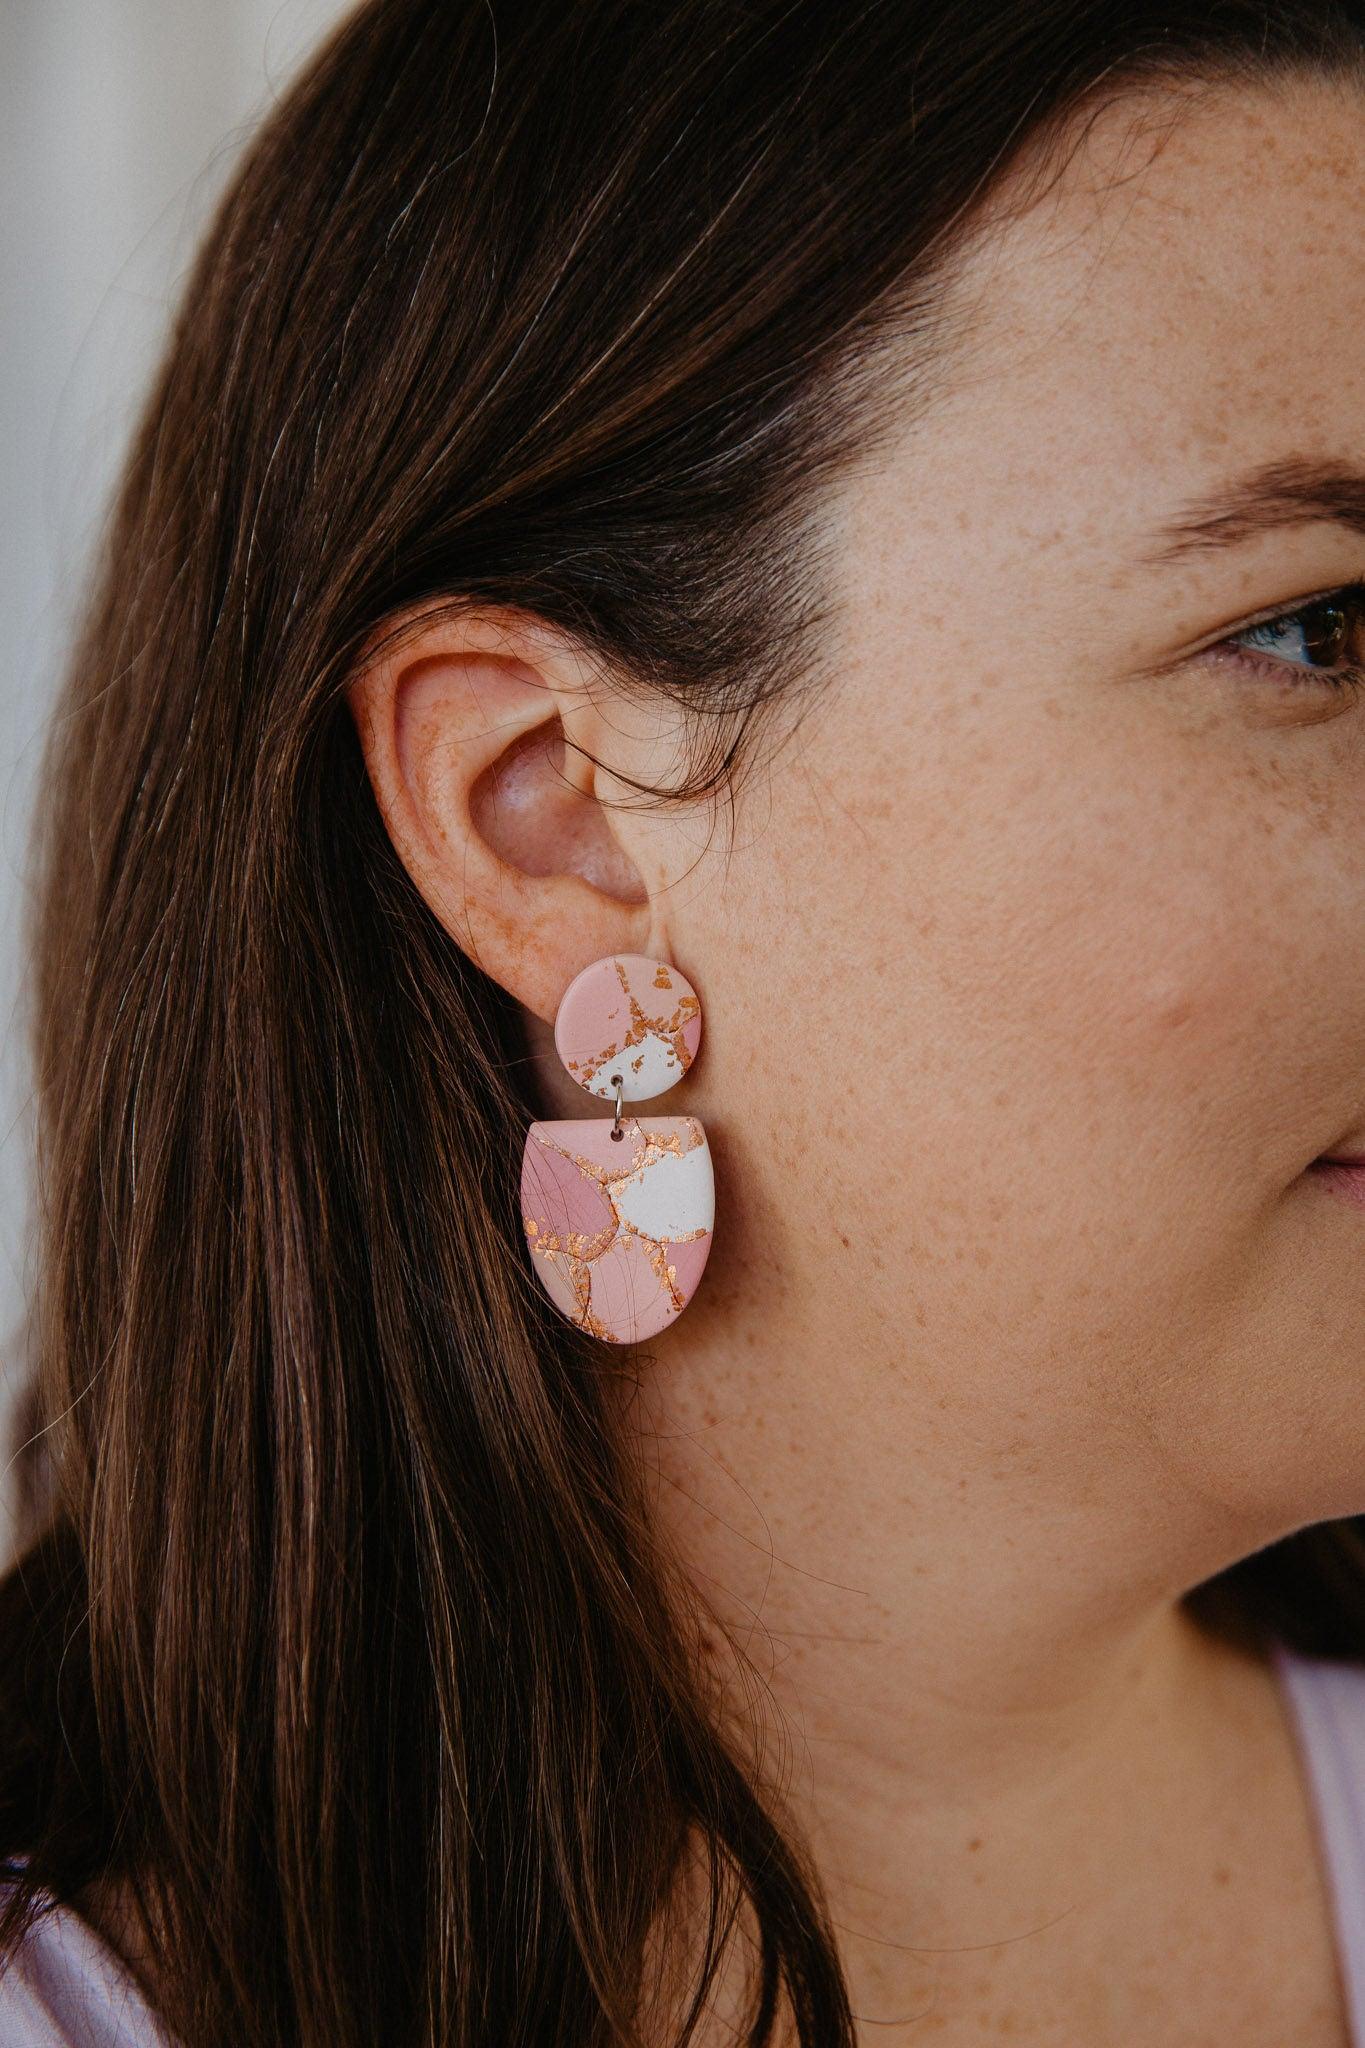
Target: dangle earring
(618,1210)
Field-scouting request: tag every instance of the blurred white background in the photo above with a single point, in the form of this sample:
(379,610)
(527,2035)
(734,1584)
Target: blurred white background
(119,121)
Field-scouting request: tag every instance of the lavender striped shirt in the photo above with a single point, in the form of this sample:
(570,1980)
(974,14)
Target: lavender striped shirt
(1327,1701)
(67,1989)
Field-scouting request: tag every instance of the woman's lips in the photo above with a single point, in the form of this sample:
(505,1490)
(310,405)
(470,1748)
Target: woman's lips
(1344,1177)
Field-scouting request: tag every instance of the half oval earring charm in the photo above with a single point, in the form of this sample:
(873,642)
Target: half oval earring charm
(618,1211)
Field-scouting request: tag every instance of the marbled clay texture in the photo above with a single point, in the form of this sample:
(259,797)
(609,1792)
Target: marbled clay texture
(619,1229)
(629,1015)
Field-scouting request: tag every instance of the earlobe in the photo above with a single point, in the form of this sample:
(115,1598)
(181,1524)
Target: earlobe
(476,742)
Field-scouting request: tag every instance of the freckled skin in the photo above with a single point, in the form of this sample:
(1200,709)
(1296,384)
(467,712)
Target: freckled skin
(1033,979)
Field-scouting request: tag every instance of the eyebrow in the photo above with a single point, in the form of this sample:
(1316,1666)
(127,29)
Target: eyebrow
(1289,492)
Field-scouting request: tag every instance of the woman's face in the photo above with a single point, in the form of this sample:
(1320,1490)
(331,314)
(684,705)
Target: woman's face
(1033,970)
(1034,978)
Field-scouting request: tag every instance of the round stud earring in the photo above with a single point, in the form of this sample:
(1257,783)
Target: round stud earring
(618,1211)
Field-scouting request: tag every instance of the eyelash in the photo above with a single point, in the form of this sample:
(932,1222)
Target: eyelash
(1348,681)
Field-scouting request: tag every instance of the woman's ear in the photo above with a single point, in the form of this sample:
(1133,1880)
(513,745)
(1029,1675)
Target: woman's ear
(479,735)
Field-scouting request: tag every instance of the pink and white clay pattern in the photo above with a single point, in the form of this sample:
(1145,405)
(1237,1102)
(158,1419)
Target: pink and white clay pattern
(619,1228)
(630,1015)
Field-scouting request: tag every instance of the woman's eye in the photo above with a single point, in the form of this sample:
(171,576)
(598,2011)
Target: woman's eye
(1318,646)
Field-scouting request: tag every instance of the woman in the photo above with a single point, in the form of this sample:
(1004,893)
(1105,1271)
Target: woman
(863,510)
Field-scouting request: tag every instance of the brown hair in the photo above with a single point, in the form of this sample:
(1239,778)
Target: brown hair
(339,1630)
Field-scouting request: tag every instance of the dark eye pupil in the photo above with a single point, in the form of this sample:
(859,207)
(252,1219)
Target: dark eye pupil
(1324,631)
(1332,630)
